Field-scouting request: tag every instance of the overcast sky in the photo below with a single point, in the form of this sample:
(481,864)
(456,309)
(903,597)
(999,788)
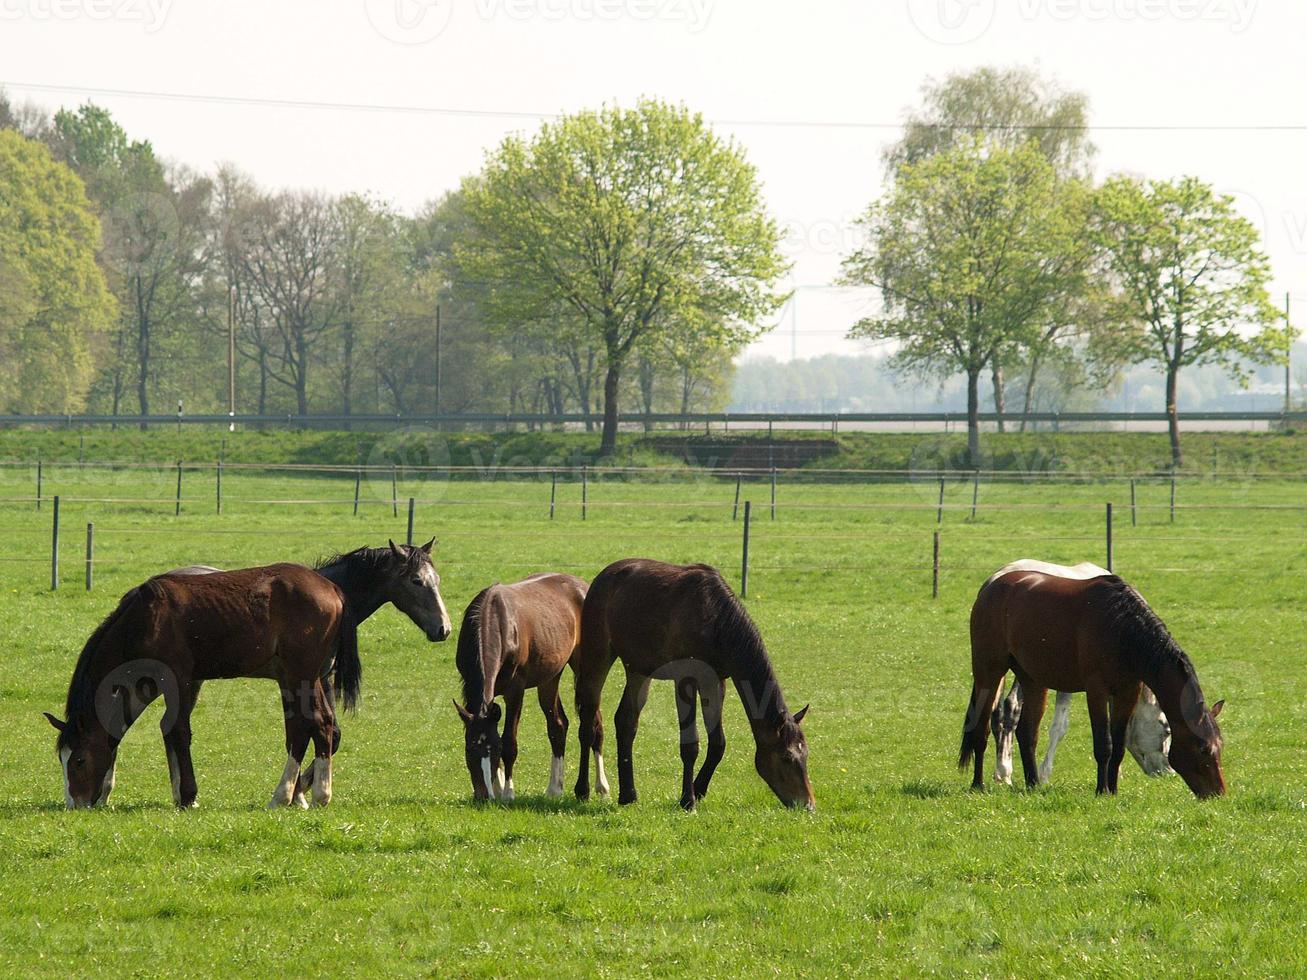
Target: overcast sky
(755,68)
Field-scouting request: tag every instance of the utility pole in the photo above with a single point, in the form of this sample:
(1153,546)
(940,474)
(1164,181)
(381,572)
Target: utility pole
(231,358)
(437,364)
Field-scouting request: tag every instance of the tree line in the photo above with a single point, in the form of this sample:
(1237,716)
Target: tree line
(614,257)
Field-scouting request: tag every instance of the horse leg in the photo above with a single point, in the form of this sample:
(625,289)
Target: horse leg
(1033,701)
(307,773)
(1098,720)
(298,734)
(686,693)
(556,725)
(627,721)
(177,746)
(325,735)
(508,746)
(975,727)
(1123,708)
(1061,722)
(716,739)
(590,677)
(1003,722)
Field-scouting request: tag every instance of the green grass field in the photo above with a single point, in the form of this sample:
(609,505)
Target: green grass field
(900,871)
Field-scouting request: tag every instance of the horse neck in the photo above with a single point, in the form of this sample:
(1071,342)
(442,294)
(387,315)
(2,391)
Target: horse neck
(1168,683)
(759,690)
(364,593)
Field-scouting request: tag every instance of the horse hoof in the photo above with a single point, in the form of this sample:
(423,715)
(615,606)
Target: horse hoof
(626,799)
(688,804)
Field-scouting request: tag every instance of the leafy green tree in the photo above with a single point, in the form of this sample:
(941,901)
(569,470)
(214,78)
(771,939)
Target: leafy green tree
(973,250)
(53,298)
(629,217)
(1192,281)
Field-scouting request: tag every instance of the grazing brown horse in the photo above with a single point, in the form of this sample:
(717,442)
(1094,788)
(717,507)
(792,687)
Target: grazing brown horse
(1084,629)
(285,622)
(682,623)
(516,637)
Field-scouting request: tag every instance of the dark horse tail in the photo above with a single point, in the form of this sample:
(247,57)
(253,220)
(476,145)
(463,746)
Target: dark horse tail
(349,669)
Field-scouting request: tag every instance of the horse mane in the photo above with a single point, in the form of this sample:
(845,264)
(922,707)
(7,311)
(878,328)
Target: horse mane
(81,689)
(467,657)
(1144,641)
(360,561)
(737,635)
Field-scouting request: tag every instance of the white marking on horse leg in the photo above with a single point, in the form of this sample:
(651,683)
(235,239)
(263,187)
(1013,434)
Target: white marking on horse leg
(555,777)
(175,776)
(285,792)
(64,756)
(321,781)
(1003,760)
(1061,722)
(601,781)
(499,783)
(106,787)
(487,778)
(508,793)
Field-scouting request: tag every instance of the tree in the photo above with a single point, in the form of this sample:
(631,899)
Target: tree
(1191,276)
(629,218)
(53,297)
(973,250)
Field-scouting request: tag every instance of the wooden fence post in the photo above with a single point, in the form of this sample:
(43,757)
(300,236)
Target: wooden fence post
(40,477)
(934,575)
(773,493)
(1109,535)
(1172,497)
(735,508)
(585,490)
(975,494)
(358,482)
(939,517)
(90,555)
(412,505)
(394,490)
(54,547)
(744,568)
(178,511)
(219,486)
(1134,516)
(553,491)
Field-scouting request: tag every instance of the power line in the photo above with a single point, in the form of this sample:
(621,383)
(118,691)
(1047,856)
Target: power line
(834,124)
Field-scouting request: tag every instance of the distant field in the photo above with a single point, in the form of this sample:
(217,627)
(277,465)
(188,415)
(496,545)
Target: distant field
(901,870)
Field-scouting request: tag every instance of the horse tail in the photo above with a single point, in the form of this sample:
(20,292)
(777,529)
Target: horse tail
(467,656)
(349,668)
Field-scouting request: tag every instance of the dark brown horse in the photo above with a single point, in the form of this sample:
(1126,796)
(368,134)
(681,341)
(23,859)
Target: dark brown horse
(516,637)
(1084,629)
(285,622)
(682,623)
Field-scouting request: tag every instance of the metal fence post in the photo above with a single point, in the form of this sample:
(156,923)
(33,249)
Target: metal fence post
(412,504)
(1134,516)
(54,547)
(934,575)
(735,508)
(773,493)
(358,482)
(553,491)
(744,568)
(90,556)
(585,490)
(939,517)
(1109,535)
(178,511)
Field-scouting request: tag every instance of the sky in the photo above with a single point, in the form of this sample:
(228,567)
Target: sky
(401,98)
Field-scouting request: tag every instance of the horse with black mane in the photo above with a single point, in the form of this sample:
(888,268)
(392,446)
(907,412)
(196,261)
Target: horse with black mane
(285,622)
(1084,629)
(682,623)
(515,637)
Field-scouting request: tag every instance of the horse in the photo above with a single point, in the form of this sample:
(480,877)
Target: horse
(1147,737)
(286,622)
(516,637)
(682,623)
(1085,629)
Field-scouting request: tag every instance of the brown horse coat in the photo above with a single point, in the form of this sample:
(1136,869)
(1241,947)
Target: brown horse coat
(1072,632)
(516,637)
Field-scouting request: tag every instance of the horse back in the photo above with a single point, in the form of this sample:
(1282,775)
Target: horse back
(536,623)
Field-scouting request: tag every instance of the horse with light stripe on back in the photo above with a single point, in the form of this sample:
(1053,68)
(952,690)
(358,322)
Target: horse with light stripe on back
(1082,628)
(285,622)
(516,637)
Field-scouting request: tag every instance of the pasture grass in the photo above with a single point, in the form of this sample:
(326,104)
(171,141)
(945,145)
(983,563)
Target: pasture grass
(900,871)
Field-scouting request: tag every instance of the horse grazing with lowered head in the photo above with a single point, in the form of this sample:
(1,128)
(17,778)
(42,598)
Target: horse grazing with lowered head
(515,637)
(682,623)
(1084,629)
(1147,738)
(285,622)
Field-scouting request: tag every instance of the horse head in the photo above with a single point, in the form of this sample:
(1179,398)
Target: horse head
(782,762)
(414,589)
(88,756)
(1196,752)
(1149,736)
(481,747)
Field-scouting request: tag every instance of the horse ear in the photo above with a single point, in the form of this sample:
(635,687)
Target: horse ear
(395,549)
(426,548)
(802,711)
(1216,708)
(463,713)
(59,726)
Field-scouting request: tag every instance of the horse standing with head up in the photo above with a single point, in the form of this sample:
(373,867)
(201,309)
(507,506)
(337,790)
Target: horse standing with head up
(516,637)
(285,622)
(1084,629)
(682,623)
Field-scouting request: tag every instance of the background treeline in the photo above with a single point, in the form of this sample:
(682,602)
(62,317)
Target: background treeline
(335,300)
